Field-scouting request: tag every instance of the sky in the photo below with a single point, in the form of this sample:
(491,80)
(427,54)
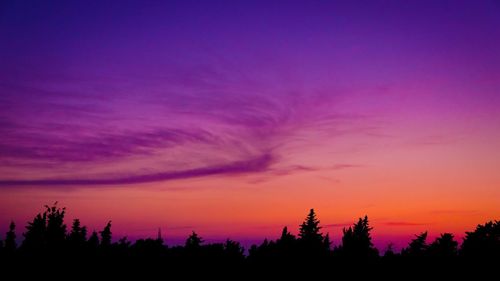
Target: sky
(234,118)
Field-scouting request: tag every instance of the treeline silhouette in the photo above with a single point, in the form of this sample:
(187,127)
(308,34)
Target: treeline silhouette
(49,245)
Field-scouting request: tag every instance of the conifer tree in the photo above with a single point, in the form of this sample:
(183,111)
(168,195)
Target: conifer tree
(78,235)
(444,246)
(93,242)
(106,235)
(286,237)
(483,242)
(310,230)
(35,235)
(417,247)
(10,238)
(56,229)
(193,241)
(357,241)
(326,242)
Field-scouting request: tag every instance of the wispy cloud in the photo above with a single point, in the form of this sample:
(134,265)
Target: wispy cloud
(343,166)
(95,147)
(188,117)
(336,225)
(258,164)
(403,223)
(273,172)
(454,212)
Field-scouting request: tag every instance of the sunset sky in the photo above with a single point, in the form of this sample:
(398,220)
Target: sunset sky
(234,118)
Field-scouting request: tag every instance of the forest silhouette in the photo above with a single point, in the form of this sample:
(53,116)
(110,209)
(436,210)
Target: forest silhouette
(49,246)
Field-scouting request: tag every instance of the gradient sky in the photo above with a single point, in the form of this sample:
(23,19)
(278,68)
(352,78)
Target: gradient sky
(233,118)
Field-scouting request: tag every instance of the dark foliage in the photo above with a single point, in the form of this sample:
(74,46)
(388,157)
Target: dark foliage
(483,242)
(444,247)
(55,228)
(417,247)
(106,236)
(47,245)
(77,237)
(357,241)
(10,243)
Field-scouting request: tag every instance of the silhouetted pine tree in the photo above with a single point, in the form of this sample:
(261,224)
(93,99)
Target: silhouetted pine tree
(263,252)
(307,254)
(93,242)
(287,241)
(78,235)
(159,238)
(417,247)
(194,241)
(148,248)
(483,242)
(310,229)
(357,241)
(444,246)
(310,237)
(389,251)
(106,236)
(233,251)
(34,237)
(10,244)
(326,242)
(56,229)
(193,249)
(122,247)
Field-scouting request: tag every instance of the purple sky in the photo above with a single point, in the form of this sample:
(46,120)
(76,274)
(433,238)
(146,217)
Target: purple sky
(85,82)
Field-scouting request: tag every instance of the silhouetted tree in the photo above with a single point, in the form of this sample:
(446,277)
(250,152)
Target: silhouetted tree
(78,235)
(123,246)
(10,244)
(357,241)
(159,239)
(286,244)
(34,237)
(106,236)
(148,248)
(193,249)
(56,229)
(389,251)
(253,251)
(417,247)
(309,253)
(483,242)
(193,241)
(326,242)
(444,246)
(233,250)
(93,242)
(311,242)
(309,232)
(263,252)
